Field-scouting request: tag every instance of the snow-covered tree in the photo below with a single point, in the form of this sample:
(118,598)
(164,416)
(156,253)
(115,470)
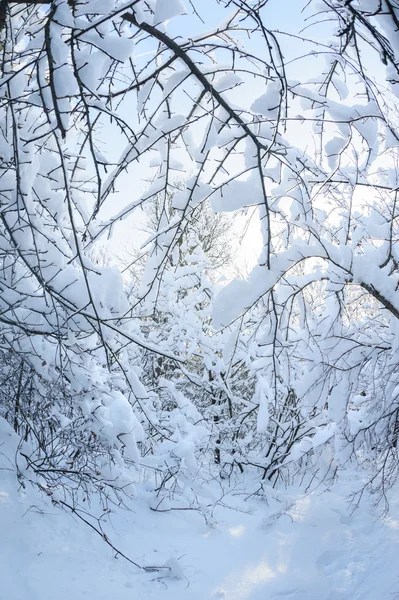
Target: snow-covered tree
(95,98)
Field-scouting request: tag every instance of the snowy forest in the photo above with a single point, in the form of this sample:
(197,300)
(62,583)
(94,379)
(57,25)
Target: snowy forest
(199,299)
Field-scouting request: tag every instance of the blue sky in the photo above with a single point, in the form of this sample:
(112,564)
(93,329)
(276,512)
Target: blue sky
(281,15)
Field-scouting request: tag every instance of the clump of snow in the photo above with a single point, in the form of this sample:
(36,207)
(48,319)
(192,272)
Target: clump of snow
(300,546)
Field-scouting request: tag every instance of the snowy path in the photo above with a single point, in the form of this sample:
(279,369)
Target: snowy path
(315,551)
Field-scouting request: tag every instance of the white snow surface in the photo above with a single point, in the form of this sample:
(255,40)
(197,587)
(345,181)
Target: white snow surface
(292,547)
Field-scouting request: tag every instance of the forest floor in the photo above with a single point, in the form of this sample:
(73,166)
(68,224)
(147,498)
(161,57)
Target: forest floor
(290,547)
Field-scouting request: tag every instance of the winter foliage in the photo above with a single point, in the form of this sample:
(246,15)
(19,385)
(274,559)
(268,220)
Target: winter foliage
(158,371)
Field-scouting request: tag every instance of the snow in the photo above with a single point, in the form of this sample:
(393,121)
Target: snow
(112,45)
(227,82)
(235,194)
(268,103)
(295,546)
(167,10)
(333,148)
(262,395)
(298,375)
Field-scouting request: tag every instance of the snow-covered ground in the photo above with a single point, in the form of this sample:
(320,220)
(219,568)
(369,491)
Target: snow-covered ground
(293,547)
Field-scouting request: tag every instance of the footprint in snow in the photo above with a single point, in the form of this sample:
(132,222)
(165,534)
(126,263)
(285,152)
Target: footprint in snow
(329,561)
